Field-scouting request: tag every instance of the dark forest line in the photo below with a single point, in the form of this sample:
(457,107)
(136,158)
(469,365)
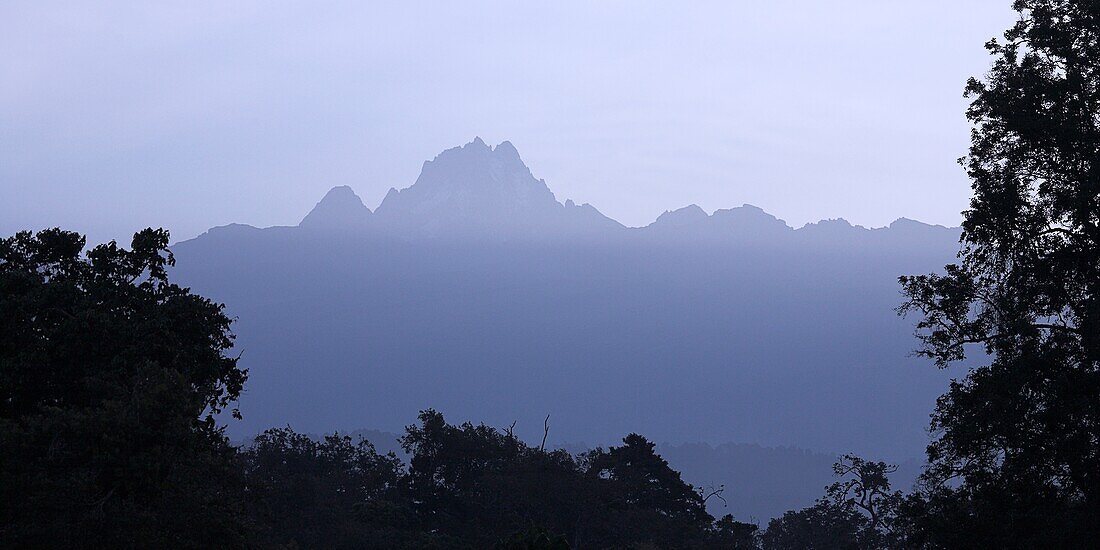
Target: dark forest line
(761,483)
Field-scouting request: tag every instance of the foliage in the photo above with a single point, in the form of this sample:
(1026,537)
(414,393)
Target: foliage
(479,484)
(865,486)
(470,486)
(858,511)
(825,525)
(533,539)
(1017,450)
(110,377)
(328,493)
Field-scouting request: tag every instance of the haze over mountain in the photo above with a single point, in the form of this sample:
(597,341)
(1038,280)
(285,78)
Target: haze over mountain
(477,292)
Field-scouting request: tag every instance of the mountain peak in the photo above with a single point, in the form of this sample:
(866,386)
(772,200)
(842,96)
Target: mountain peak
(507,151)
(341,193)
(749,217)
(340,207)
(688,215)
(830,224)
(903,223)
(479,189)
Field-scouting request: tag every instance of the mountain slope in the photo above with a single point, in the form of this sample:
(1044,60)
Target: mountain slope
(475,292)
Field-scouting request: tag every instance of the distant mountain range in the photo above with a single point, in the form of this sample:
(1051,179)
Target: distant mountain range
(488,193)
(476,292)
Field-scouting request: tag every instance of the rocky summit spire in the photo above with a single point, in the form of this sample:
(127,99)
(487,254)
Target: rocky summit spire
(481,190)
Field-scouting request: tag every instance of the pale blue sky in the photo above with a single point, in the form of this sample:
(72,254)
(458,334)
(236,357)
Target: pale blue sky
(115,116)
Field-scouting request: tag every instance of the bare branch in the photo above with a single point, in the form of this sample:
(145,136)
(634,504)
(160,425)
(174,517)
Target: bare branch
(714,493)
(545,432)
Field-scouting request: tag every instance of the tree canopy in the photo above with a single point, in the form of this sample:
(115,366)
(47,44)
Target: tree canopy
(1017,446)
(110,377)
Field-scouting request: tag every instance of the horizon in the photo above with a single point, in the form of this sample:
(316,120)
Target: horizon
(477,139)
(130,118)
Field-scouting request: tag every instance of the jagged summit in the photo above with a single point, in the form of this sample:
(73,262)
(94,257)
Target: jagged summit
(485,190)
(831,226)
(340,207)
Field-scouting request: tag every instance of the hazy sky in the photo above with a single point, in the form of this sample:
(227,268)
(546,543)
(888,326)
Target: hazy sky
(117,116)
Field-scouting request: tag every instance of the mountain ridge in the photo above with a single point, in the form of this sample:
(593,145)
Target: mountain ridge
(478,191)
(713,327)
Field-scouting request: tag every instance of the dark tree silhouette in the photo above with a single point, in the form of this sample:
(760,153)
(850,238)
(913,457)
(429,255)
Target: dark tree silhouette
(329,493)
(110,377)
(649,492)
(1016,457)
(824,526)
(533,539)
(484,487)
(859,510)
(865,485)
